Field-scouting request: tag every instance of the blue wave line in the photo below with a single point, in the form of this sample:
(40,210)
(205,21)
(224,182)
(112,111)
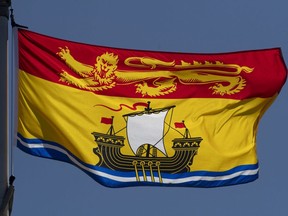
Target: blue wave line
(92,170)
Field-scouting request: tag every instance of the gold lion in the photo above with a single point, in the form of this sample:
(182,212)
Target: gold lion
(94,78)
(104,74)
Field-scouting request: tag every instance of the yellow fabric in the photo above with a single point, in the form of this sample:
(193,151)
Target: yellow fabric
(68,116)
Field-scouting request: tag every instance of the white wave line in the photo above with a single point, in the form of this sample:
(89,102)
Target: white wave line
(133,179)
(96,172)
(211,178)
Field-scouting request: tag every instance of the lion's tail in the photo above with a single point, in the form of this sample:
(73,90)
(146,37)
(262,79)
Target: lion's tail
(247,69)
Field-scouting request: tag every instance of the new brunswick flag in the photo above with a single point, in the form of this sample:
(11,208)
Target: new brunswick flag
(130,117)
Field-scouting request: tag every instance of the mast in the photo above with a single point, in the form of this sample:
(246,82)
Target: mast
(4,17)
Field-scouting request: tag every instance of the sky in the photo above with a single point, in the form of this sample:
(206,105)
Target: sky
(52,188)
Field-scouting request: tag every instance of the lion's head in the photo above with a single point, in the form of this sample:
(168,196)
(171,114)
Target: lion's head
(105,66)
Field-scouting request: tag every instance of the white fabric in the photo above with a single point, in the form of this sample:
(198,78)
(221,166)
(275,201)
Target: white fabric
(146,129)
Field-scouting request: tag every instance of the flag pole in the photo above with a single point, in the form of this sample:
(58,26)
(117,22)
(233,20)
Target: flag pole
(4,18)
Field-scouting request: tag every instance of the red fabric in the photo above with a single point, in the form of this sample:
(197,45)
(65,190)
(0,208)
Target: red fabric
(179,125)
(267,78)
(106,120)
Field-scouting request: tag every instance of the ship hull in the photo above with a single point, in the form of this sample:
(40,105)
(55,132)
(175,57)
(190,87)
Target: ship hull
(110,156)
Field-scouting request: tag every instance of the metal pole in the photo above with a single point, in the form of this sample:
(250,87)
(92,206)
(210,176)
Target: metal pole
(4,17)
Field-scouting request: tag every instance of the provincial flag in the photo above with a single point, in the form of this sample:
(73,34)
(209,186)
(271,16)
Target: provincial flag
(67,88)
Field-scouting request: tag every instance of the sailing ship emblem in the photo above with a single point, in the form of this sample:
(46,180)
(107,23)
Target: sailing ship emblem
(145,132)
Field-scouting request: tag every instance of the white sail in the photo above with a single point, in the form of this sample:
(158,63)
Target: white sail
(146,129)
